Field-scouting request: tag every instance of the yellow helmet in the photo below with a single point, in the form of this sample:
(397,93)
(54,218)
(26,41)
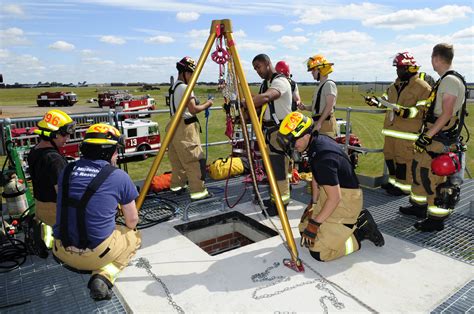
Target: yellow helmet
(320,62)
(294,126)
(103,134)
(55,121)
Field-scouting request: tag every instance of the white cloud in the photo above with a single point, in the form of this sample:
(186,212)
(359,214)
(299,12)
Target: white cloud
(254,46)
(298,30)
(158,60)
(96,61)
(13,9)
(422,38)
(410,19)
(240,34)
(343,38)
(87,52)
(113,40)
(62,46)
(13,37)
(274,28)
(316,15)
(4,53)
(293,42)
(187,16)
(159,40)
(465,33)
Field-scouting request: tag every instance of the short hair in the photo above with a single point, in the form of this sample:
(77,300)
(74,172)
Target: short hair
(444,51)
(262,58)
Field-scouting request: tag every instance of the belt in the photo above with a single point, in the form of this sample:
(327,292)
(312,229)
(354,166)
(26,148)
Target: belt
(316,117)
(191,120)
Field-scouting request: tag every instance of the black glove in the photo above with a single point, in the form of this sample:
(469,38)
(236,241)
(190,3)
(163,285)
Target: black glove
(372,101)
(421,143)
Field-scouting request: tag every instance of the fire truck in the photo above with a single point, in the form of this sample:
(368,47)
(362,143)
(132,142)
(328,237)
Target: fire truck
(61,99)
(123,101)
(109,98)
(140,135)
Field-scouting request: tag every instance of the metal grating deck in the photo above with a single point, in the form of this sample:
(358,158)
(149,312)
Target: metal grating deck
(52,288)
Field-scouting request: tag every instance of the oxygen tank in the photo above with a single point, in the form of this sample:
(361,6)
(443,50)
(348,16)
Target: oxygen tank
(14,194)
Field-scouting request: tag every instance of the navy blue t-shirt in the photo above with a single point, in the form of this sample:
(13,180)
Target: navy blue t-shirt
(330,165)
(118,188)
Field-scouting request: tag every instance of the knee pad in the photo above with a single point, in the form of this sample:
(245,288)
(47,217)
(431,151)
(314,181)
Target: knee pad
(202,166)
(278,164)
(391,166)
(316,255)
(401,171)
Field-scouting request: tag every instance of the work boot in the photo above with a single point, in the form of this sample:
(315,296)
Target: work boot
(267,202)
(367,229)
(100,288)
(429,225)
(38,246)
(272,210)
(414,210)
(386,186)
(395,191)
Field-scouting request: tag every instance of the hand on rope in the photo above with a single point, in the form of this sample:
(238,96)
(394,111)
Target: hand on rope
(309,234)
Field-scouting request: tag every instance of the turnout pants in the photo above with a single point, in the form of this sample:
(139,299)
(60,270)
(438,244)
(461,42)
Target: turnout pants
(108,258)
(329,127)
(280,164)
(186,158)
(335,236)
(399,155)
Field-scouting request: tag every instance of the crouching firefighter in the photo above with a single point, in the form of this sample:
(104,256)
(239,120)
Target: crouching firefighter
(188,163)
(45,165)
(336,224)
(433,196)
(90,191)
(275,91)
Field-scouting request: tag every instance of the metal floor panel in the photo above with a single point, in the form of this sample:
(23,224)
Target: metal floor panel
(461,302)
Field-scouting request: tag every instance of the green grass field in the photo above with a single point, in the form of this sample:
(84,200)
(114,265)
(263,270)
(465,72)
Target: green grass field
(366,126)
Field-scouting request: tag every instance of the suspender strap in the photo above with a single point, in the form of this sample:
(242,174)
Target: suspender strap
(271,104)
(171,93)
(63,226)
(317,104)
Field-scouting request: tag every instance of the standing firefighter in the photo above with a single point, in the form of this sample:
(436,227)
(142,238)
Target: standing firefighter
(404,100)
(336,224)
(283,67)
(324,97)
(275,91)
(187,160)
(433,194)
(90,191)
(45,165)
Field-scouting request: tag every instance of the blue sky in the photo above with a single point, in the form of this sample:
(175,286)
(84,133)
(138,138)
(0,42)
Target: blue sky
(140,40)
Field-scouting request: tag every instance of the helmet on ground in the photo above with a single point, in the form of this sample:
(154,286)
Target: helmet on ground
(294,126)
(320,62)
(406,59)
(55,121)
(446,164)
(187,64)
(103,134)
(283,68)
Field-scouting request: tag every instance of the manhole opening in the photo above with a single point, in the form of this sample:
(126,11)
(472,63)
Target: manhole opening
(225,232)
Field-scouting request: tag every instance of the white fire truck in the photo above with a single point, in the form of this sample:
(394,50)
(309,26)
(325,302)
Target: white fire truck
(140,135)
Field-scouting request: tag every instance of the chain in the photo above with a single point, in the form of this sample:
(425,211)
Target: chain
(145,264)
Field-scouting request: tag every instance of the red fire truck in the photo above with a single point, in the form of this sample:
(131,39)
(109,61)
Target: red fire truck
(141,135)
(51,99)
(123,101)
(111,97)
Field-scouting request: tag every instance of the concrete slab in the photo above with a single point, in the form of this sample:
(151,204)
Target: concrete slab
(400,277)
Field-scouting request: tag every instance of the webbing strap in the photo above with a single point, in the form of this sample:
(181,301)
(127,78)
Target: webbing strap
(317,104)
(63,226)
(171,94)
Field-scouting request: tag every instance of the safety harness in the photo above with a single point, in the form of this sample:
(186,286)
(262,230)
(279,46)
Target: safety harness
(293,88)
(453,133)
(171,91)
(271,104)
(80,205)
(317,104)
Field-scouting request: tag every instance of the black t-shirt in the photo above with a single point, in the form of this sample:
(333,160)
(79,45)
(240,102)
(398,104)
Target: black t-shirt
(330,165)
(45,165)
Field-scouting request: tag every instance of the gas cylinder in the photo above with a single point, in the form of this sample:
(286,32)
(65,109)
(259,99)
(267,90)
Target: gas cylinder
(14,194)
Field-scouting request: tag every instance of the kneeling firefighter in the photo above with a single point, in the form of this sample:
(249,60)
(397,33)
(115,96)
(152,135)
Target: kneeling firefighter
(45,165)
(336,224)
(188,163)
(434,195)
(90,191)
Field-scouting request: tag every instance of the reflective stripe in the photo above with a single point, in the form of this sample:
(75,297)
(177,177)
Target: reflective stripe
(421,103)
(392,181)
(178,188)
(401,186)
(349,246)
(385,96)
(413,112)
(48,236)
(400,135)
(285,198)
(418,198)
(438,211)
(199,195)
(112,271)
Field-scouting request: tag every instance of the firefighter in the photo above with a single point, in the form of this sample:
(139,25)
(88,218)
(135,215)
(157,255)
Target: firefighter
(187,160)
(404,100)
(336,224)
(45,165)
(90,192)
(433,195)
(283,67)
(324,97)
(275,92)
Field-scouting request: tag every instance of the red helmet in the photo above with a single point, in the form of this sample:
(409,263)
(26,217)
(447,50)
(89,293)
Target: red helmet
(187,64)
(406,59)
(283,68)
(445,164)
